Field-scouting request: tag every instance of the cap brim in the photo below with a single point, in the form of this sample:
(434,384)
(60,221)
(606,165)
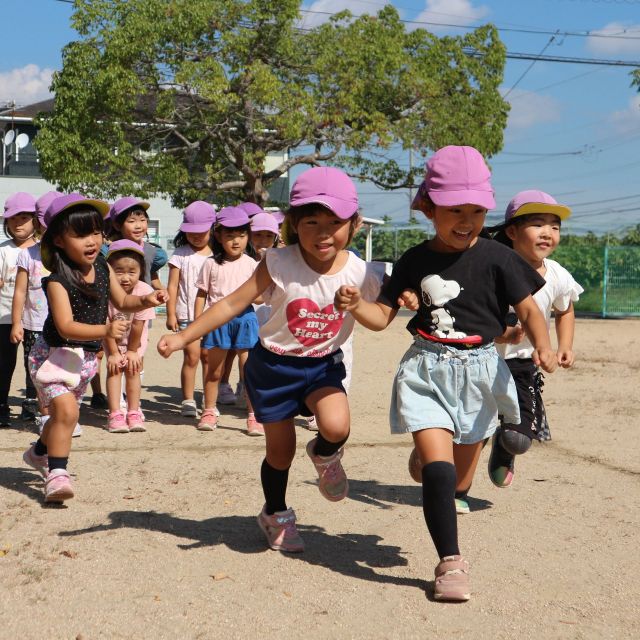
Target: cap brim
(196,227)
(342,208)
(17,211)
(99,205)
(482,199)
(540,207)
(120,250)
(264,227)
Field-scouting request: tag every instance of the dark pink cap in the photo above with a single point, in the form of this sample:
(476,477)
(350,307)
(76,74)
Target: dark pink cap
(126,203)
(326,186)
(62,203)
(232,217)
(20,202)
(198,217)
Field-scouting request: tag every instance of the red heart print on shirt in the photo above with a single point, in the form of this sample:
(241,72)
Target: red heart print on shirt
(309,324)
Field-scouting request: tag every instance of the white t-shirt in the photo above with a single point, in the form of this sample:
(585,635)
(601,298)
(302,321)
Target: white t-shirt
(219,280)
(35,305)
(8,257)
(303,320)
(190,264)
(558,293)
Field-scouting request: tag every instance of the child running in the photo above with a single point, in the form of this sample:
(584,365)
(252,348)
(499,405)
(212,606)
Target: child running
(125,355)
(63,359)
(451,384)
(193,247)
(531,227)
(296,368)
(222,274)
(20,224)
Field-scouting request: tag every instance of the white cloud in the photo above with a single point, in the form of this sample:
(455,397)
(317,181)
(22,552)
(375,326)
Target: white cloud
(614,46)
(628,120)
(26,85)
(461,12)
(529,109)
(323,8)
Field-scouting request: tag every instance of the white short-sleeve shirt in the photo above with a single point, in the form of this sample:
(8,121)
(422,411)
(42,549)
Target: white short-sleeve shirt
(189,263)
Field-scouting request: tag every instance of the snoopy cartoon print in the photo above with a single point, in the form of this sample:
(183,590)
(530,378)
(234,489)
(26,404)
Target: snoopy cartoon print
(436,292)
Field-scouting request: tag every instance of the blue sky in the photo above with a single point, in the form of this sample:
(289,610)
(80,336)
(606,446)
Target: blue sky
(574,129)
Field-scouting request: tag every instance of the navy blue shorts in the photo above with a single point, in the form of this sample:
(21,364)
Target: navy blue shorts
(279,385)
(239,333)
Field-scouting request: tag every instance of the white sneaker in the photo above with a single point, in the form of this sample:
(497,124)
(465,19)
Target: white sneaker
(225,394)
(41,421)
(312,425)
(241,398)
(189,409)
(77,431)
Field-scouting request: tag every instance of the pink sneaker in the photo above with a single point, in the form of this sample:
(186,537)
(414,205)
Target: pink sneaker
(57,486)
(208,420)
(452,580)
(39,463)
(333,482)
(254,428)
(116,423)
(280,530)
(135,420)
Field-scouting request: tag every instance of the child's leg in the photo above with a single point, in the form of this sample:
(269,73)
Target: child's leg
(98,399)
(216,358)
(188,371)
(114,390)
(228,366)
(135,418)
(8,358)
(29,403)
(254,428)
(466,457)
(331,409)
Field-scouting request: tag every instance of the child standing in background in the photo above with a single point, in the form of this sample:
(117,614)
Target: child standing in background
(63,359)
(193,247)
(451,384)
(126,354)
(297,368)
(29,310)
(20,223)
(129,220)
(228,268)
(531,228)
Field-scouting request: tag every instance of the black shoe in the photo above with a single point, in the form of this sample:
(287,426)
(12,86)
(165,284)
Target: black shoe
(28,413)
(5,415)
(99,401)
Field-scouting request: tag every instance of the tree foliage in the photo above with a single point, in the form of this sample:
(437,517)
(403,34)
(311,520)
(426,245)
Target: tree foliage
(187,97)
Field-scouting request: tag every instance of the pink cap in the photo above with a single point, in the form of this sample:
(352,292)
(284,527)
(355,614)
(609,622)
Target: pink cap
(533,201)
(124,245)
(198,217)
(327,186)
(20,202)
(232,217)
(251,208)
(458,175)
(62,203)
(43,202)
(264,222)
(279,216)
(126,203)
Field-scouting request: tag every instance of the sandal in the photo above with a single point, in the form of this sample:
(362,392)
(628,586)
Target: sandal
(452,580)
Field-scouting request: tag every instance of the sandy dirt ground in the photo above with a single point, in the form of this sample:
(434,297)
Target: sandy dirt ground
(161,540)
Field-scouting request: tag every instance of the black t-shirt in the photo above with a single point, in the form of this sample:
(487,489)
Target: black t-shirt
(84,308)
(465,296)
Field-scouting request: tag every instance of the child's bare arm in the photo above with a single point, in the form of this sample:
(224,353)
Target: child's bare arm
(134,361)
(129,303)
(535,326)
(372,315)
(172,291)
(17,306)
(565,322)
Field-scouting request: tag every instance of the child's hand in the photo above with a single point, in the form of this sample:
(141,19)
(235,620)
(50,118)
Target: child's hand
(545,358)
(170,343)
(158,297)
(17,333)
(347,298)
(116,362)
(409,299)
(172,323)
(134,362)
(117,328)
(565,358)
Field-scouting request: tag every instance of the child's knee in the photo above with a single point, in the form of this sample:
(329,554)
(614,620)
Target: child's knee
(514,442)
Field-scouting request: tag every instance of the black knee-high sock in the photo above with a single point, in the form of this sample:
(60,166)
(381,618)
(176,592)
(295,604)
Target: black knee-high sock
(438,489)
(57,463)
(41,448)
(325,448)
(274,487)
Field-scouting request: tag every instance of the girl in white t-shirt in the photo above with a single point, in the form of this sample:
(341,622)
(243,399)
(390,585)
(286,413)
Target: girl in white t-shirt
(20,225)
(193,248)
(532,228)
(296,367)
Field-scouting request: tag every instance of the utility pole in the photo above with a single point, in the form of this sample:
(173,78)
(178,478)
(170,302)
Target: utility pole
(411,212)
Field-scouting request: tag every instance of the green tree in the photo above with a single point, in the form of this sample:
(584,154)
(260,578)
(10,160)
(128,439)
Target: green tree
(187,97)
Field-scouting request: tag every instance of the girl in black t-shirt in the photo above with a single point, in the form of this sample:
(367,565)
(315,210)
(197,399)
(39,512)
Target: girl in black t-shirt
(451,383)
(63,360)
